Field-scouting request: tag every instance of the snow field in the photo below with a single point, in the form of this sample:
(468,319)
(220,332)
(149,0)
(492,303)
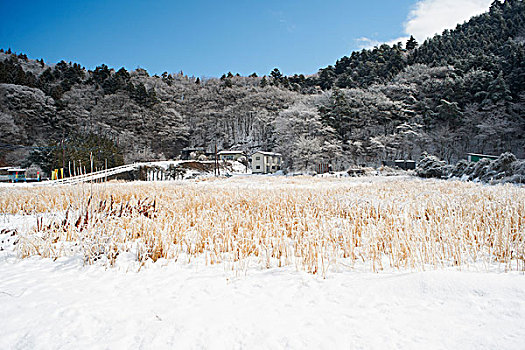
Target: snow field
(315,225)
(263,263)
(61,304)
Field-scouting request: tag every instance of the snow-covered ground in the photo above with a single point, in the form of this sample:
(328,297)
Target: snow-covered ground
(63,305)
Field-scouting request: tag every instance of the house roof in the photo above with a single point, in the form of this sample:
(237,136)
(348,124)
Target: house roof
(189,149)
(230,152)
(268,153)
(16,169)
(482,155)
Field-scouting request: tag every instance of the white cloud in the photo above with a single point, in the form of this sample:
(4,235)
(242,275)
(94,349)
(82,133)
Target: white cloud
(367,43)
(430,17)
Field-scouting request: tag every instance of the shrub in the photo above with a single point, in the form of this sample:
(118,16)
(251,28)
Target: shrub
(430,166)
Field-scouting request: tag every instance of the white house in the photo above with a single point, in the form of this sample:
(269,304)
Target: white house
(266,162)
(230,155)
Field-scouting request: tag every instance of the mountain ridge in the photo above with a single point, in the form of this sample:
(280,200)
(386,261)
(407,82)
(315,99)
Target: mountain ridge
(461,91)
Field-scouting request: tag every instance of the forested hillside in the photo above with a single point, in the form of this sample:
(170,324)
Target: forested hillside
(462,91)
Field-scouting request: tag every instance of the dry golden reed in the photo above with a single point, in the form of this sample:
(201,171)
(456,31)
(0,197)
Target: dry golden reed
(311,223)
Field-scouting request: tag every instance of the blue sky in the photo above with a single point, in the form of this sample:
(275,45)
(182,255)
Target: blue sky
(209,38)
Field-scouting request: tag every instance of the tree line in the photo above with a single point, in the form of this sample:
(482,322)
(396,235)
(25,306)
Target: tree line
(461,91)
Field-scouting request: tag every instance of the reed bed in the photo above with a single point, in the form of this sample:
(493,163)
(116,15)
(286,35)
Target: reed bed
(316,225)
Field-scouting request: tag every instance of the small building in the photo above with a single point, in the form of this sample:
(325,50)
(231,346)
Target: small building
(10,174)
(188,152)
(4,174)
(265,162)
(194,153)
(404,164)
(474,157)
(230,155)
(355,172)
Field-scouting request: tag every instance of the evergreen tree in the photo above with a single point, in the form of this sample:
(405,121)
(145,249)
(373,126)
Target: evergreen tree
(264,82)
(411,43)
(276,76)
(228,82)
(326,78)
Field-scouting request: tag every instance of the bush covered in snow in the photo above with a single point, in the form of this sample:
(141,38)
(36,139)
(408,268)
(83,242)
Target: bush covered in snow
(506,168)
(430,166)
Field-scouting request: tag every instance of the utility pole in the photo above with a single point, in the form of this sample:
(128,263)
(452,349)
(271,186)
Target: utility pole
(63,155)
(216,162)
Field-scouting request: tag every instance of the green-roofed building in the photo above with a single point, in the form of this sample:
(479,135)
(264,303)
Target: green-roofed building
(474,157)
